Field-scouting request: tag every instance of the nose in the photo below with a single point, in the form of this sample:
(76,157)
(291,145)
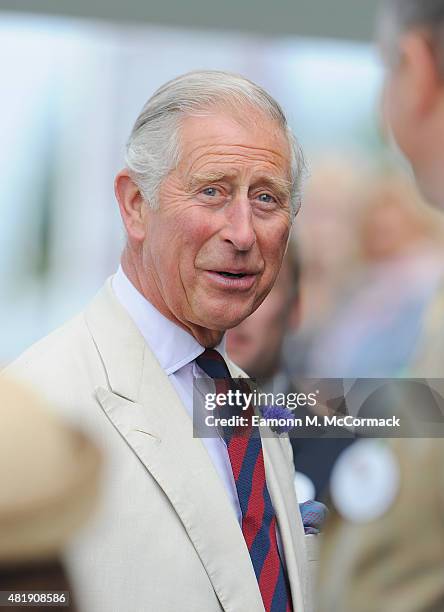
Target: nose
(239,229)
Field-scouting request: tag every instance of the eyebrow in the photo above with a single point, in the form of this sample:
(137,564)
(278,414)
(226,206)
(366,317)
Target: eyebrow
(282,186)
(206,177)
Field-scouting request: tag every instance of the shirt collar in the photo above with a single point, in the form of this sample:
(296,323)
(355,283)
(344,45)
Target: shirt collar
(172,345)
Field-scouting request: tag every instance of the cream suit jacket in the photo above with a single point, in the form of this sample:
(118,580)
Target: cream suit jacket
(165,537)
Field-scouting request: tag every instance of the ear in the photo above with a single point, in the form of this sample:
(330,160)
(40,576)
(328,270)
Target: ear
(133,208)
(420,72)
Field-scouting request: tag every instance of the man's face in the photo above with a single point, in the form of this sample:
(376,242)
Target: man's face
(214,246)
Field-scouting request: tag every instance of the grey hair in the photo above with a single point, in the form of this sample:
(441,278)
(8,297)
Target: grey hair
(398,16)
(153,148)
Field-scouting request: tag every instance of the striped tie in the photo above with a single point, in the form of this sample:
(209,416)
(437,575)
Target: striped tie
(258,516)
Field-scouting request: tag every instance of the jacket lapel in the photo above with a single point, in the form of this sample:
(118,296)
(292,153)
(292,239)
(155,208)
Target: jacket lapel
(144,407)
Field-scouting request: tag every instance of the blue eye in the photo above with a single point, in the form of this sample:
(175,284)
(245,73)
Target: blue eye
(210,191)
(266,198)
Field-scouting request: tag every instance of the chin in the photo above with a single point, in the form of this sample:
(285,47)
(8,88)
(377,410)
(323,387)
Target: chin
(222,314)
(224,323)
(225,318)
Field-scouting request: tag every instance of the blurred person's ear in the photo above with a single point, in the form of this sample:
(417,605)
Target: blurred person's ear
(133,207)
(418,73)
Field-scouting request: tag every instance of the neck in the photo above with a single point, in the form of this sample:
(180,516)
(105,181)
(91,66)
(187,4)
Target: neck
(146,286)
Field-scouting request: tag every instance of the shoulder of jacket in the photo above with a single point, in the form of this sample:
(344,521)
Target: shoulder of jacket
(56,342)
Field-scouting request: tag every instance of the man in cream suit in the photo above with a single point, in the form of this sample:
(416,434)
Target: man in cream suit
(207,197)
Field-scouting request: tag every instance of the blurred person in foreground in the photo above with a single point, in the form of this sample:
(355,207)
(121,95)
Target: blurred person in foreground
(208,197)
(49,483)
(384,547)
(256,345)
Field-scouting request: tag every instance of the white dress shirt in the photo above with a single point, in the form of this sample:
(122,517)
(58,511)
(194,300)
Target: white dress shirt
(176,350)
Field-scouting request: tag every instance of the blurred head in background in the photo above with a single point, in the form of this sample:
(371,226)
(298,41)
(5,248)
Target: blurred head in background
(326,234)
(371,323)
(394,221)
(412,33)
(329,207)
(256,343)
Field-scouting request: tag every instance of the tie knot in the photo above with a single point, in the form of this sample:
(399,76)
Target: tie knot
(213,364)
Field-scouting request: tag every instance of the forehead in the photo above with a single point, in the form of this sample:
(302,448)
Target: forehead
(220,141)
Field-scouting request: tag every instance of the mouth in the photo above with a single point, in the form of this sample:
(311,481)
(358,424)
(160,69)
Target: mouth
(232,279)
(232,274)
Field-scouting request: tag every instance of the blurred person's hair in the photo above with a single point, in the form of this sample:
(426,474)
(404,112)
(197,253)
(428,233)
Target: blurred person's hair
(398,16)
(153,148)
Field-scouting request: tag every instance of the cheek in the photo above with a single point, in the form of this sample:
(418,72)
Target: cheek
(197,228)
(192,245)
(164,249)
(196,231)
(272,245)
(176,234)
(272,242)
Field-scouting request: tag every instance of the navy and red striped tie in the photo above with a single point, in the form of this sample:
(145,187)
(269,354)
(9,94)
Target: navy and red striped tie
(258,516)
